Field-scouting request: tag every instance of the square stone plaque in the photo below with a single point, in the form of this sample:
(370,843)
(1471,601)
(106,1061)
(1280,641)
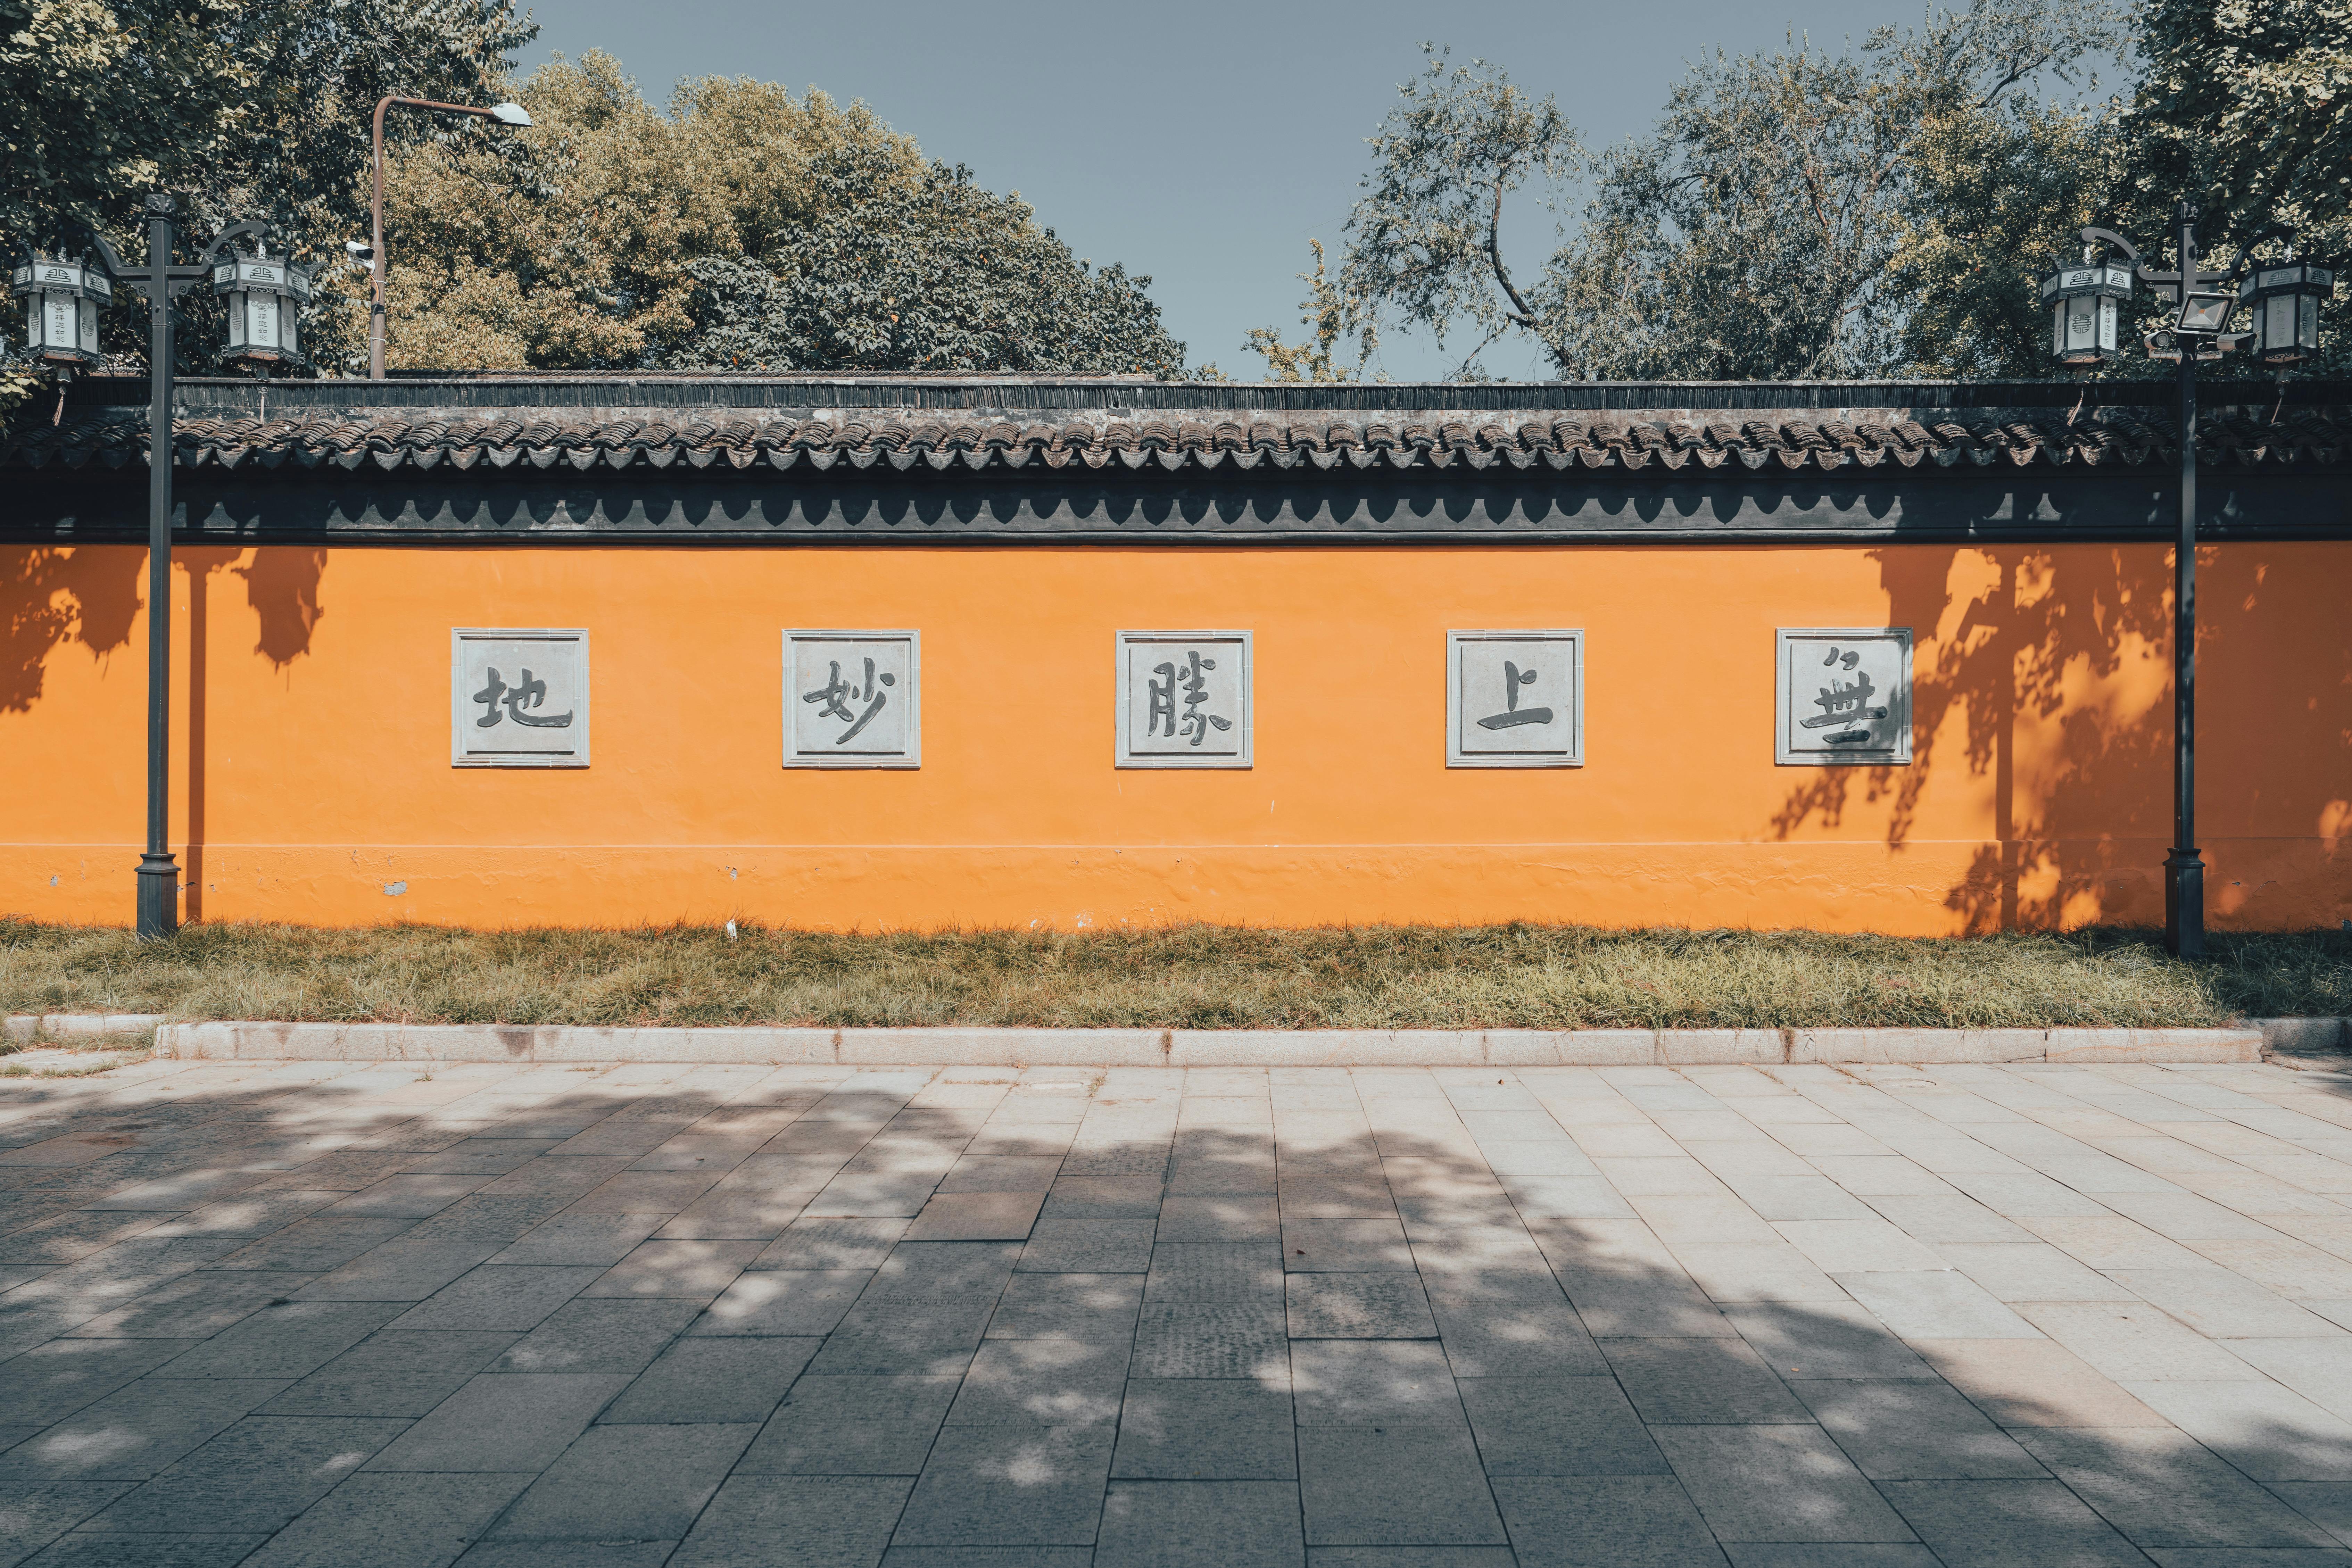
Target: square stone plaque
(853,699)
(518,697)
(1183,700)
(1843,696)
(1514,699)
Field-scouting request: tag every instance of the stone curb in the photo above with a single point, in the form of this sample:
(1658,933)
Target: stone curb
(1193,1047)
(55,1026)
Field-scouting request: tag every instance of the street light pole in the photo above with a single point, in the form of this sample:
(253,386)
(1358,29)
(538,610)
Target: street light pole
(504,113)
(161,282)
(2088,301)
(159,875)
(2184,869)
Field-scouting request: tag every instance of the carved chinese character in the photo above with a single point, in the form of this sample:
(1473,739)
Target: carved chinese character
(1194,724)
(852,699)
(1846,707)
(531,693)
(835,689)
(1515,699)
(1183,700)
(518,699)
(1843,696)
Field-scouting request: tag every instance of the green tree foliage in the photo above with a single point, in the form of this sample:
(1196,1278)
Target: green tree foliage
(744,229)
(1997,195)
(1764,229)
(1878,211)
(1316,359)
(2245,108)
(253,108)
(1426,240)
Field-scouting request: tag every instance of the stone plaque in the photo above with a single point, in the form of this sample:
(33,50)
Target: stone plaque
(518,697)
(1844,695)
(1183,700)
(853,699)
(1514,699)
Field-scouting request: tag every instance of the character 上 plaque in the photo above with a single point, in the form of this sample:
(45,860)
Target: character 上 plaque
(1515,699)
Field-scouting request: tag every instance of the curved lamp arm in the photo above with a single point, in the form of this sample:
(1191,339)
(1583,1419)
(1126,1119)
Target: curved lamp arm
(222,243)
(2246,251)
(2109,236)
(106,253)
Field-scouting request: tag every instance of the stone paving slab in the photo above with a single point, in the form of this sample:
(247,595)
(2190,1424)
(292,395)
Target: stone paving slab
(1761,1310)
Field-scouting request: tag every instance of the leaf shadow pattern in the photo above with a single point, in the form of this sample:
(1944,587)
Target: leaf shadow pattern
(1397,1313)
(282,585)
(52,594)
(2055,660)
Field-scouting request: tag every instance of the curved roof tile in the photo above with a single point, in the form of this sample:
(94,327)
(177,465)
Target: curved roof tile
(114,438)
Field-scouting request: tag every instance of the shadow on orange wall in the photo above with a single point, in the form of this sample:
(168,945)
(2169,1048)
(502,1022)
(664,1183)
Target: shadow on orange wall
(50,596)
(281,587)
(2056,663)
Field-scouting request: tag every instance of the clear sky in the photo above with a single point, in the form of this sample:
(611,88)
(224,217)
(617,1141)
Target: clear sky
(1203,143)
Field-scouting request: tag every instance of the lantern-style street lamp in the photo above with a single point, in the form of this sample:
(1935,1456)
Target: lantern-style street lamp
(266,294)
(2284,297)
(62,295)
(372,253)
(2084,299)
(160,282)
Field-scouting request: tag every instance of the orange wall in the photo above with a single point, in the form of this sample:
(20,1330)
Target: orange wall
(311,712)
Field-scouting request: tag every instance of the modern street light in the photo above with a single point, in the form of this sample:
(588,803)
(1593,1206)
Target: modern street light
(63,297)
(2085,299)
(504,113)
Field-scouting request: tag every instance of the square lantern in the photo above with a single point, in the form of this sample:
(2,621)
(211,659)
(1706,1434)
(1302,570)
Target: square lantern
(265,295)
(62,301)
(2084,299)
(2285,300)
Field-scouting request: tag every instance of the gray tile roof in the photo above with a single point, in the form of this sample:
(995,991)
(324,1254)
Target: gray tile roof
(1689,441)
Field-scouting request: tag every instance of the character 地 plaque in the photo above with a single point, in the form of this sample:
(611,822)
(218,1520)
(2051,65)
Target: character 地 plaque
(1184,700)
(518,697)
(1515,699)
(853,699)
(1842,697)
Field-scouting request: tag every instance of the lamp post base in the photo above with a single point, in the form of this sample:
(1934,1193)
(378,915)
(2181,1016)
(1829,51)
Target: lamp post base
(159,897)
(2184,904)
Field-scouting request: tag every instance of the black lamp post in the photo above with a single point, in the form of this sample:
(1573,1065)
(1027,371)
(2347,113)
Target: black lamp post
(2086,298)
(160,282)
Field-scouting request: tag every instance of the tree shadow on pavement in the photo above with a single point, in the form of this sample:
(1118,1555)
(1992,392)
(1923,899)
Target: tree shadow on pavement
(303,1313)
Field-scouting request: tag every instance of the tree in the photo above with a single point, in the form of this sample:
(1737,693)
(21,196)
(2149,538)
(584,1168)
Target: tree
(744,229)
(1997,195)
(1326,310)
(1755,233)
(253,108)
(1427,242)
(2245,107)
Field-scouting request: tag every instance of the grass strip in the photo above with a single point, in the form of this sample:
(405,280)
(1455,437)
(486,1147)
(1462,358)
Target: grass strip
(1191,977)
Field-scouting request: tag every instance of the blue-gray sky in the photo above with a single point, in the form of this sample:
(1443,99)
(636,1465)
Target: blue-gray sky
(1203,143)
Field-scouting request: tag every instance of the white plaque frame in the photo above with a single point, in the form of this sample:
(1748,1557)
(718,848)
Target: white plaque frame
(1126,645)
(1787,704)
(573,644)
(1458,711)
(796,711)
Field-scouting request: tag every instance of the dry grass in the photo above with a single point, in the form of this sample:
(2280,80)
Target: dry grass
(1188,976)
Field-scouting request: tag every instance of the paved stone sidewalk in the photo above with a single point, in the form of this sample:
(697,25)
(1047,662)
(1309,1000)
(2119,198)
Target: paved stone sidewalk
(1870,1318)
